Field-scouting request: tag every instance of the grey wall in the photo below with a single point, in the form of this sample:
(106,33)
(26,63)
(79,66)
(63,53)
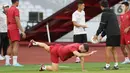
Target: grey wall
(53,4)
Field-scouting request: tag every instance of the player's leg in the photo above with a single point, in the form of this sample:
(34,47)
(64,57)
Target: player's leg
(115,57)
(1,44)
(15,52)
(124,49)
(128,48)
(15,48)
(128,44)
(54,59)
(9,53)
(125,53)
(53,67)
(5,45)
(128,51)
(43,45)
(107,56)
(15,40)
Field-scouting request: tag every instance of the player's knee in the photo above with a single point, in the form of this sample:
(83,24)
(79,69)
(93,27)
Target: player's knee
(54,67)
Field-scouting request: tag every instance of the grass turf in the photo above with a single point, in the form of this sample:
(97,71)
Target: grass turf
(66,68)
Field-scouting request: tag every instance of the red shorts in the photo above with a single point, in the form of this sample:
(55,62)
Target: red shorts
(54,53)
(14,35)
(125,39)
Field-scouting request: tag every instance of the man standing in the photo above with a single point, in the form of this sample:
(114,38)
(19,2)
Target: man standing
(4,42)
(78,19)
(13,21)
(109,24)
(125,30)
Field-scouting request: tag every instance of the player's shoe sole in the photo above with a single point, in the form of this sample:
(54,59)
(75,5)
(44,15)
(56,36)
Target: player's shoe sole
(17,65)
(7,64)
(106,68)
(41,69)
(2,58)
(115,68)
(126,62)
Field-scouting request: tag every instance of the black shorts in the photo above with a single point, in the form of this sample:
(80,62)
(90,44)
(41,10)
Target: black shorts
(4,43)
(81,38)
(113,41)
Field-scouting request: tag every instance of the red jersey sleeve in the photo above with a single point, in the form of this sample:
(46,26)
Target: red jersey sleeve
(129,17)
(73,48)
(16,12)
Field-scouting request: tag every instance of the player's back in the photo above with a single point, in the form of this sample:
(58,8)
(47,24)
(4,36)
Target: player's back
(66,52)
(11,13)
(112,27)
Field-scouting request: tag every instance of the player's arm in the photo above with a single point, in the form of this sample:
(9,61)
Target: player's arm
(127,29)
(103,33)
(18,23)
(17,19)
(76,53)
(78,25)
(7,22)
(20,27)
(82,63)
(103,23)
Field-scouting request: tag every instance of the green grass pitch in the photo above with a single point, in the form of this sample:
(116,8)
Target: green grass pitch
(66,68)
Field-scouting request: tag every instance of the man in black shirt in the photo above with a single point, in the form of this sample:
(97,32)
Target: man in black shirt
(109,24)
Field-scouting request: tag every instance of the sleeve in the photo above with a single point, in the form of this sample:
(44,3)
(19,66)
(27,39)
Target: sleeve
(103,23)
(129,18)
(103,33)
(16,12)
(73,48)
(74,17)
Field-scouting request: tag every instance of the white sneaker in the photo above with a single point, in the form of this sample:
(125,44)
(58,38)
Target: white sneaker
(1,58)
(77,60)
(126,62)
(7,64)
(17,65)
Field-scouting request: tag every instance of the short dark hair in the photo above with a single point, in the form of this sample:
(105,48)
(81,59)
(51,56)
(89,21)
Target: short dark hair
(14,1)
(125,3)
(86,47)
(104,3)
(80,2)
